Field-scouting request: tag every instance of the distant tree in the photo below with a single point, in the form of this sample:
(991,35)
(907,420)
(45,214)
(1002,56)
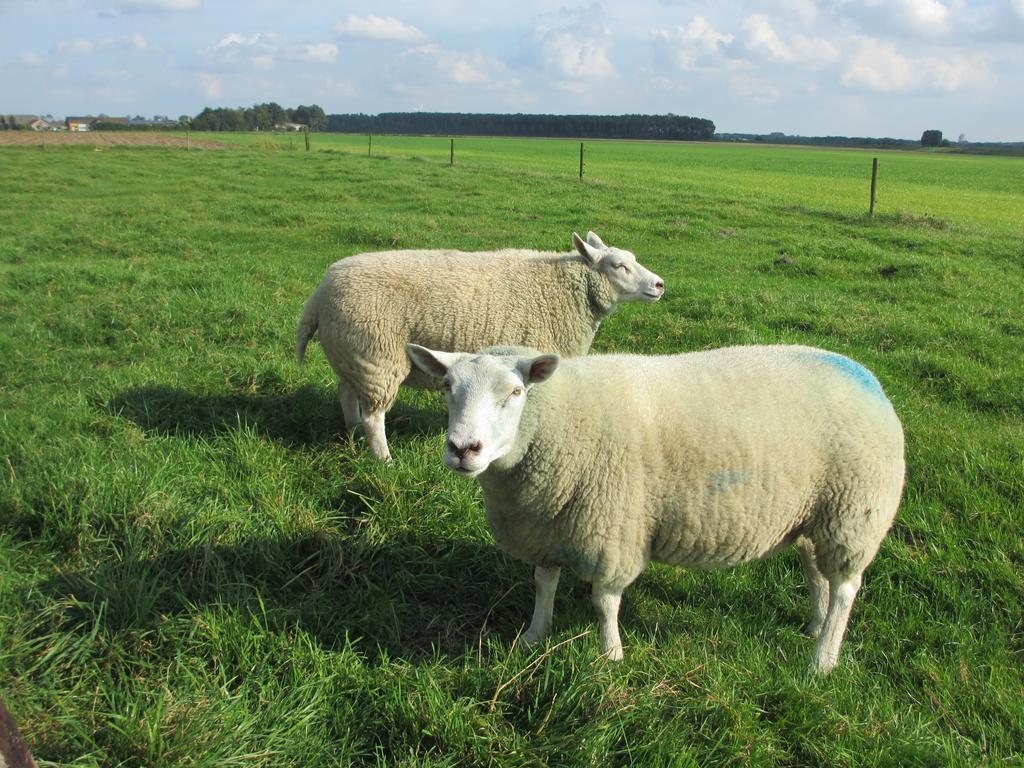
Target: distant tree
(277,113)
(313,116)
(261,119)
(660,127)
(931,138)
(185,122)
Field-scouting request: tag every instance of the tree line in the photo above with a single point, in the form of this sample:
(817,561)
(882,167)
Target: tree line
(668,127)
(259,117)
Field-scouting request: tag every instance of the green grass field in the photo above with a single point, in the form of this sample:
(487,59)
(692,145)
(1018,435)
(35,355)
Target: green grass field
(198,567)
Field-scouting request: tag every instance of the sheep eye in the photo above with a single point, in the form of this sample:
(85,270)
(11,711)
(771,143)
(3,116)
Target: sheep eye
(623,267)
(517,392)
(446,385)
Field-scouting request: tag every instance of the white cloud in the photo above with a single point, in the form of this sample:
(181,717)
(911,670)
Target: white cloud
(212,86)
(236,39)
(82,47)
(575,57)
(805,10)
(134,41)
(878,66)
(79,47)
(262,49)
(462,68)
(31,59)
(762,39)
(814,50)
(754,89)
(1018,6)
(570,86)
(378,28)
(929,14)
(926,18)
(325,53)
(158,5)
(334,87)
(571,45)
(695,44)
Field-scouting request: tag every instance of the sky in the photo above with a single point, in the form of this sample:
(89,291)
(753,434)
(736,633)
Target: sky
(810,67)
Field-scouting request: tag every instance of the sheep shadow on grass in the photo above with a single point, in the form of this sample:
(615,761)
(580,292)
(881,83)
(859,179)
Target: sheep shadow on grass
(305,416)
(411,598)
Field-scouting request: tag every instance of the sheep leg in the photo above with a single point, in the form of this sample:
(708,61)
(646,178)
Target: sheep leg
(606,600)
(842,591)
(817,583)
(349,406)
(373,427)
(546,580)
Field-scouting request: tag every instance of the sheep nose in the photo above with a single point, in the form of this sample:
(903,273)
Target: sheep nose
(474,447)
(660,285)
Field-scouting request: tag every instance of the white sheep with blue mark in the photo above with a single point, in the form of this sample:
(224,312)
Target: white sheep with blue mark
(707,459)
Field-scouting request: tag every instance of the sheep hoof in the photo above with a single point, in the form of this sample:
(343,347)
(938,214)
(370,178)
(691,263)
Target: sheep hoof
(529,640)
(820,667)
(614,654)
(813,629)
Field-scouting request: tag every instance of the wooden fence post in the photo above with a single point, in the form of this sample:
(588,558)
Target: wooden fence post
(369,146)
(188,141)
(307,138)
(581,161)
(452,160)
(13,752)
(874,176)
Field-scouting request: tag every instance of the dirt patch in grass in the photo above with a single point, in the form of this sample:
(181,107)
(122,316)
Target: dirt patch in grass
(104,139)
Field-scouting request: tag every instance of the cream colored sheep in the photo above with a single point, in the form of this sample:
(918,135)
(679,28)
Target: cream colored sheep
(368,307)
(707,459)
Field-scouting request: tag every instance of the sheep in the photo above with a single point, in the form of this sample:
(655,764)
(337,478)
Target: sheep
(706,459)
(370,305)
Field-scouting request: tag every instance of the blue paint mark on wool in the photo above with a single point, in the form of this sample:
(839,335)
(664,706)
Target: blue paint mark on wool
(856,372)
(725,479)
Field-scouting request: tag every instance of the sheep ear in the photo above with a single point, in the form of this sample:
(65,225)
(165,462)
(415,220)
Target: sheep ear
(586,251)
(596,241)
(432,363)
(537,369)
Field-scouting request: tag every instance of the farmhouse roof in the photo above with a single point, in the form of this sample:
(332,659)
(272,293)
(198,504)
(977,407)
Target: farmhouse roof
(21,119)
(93,119)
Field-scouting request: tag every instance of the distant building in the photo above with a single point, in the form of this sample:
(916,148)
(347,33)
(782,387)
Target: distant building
(156,122)
(290,127)
(21,121)
(86,123)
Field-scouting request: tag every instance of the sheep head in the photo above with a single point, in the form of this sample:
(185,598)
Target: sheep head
(486,394)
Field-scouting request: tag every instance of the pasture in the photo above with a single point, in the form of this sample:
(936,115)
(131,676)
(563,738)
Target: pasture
(198,567)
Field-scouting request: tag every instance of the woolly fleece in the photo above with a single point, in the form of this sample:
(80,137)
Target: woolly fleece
(708,459)
(370,305)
